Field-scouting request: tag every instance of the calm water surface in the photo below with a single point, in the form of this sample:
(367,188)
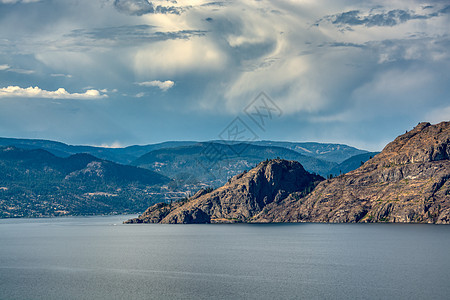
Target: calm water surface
(99,258)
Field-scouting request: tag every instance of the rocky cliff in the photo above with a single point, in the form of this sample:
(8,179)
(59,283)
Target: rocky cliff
(406,182)
(241,199)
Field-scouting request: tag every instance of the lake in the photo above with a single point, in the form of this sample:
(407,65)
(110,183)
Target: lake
(100,258)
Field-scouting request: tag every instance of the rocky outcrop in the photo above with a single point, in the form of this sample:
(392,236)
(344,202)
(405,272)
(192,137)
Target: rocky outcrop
(406,182)
(241,199)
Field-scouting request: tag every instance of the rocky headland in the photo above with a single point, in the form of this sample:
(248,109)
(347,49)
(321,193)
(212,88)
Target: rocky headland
(407,182)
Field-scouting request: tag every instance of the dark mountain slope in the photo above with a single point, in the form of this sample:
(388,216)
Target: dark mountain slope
(324,151)
(118,155)
(214,163)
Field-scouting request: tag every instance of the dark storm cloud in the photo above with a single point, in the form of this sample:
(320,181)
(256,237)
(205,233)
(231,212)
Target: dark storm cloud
(249,51)
(342,44)
(445,10)
(384,18)
(132,33)
(390,18)
(142,7)
(217,3)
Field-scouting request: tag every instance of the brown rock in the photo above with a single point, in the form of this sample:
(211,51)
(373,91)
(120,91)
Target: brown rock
(242,198)
(406,182)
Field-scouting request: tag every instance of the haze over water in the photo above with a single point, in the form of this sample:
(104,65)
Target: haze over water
(98,257)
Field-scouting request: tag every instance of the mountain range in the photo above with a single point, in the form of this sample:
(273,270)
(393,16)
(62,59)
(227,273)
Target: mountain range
(125,155)
(217,162)
(49,178)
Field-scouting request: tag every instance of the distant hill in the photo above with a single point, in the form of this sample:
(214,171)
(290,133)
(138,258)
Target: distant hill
(352,163)
(330,152)
(324,151)
(131,153)
(214,163)
(38,183)
(118,155)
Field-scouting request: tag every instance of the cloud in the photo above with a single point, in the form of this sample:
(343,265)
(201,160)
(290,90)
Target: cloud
(346,74)
(379,17)
(390,18)
(113,145)
(216,3)
(18,1)
(18,71)
(162,85)
(125,36)
(22,71)
(36,92)
(142,7)
(179,57)
(112,91)
(61,75)
(445,10)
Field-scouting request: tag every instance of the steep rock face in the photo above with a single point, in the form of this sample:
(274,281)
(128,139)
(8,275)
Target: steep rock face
(406,182)
(425,143)
(241,199)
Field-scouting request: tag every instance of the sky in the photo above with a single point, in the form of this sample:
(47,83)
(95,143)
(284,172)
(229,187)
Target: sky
(121,72)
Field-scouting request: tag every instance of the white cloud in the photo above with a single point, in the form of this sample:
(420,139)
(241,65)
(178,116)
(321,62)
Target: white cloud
(36,92)
(61,75)
(162,85)
(114,145)
(18,1)
(19,71)
(22,71)
(105,90)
